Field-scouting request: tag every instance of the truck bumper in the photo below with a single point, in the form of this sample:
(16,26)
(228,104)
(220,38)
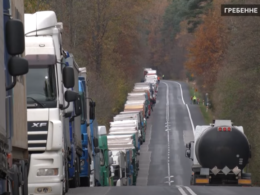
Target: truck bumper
(53,188)
(45,161)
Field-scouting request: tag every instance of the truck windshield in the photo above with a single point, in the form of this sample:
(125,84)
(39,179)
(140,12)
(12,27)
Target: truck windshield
(41,87)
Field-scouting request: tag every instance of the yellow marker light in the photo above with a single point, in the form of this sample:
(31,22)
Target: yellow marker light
(245,181)
(202,180)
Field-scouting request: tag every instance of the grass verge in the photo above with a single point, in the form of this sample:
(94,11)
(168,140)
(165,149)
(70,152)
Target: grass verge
(207,115)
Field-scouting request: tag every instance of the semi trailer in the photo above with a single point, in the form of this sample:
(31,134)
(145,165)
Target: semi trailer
(219,153)
(49,97)
(13,126)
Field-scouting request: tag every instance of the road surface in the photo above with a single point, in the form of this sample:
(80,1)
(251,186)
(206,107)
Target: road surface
(162,160)
(164,169)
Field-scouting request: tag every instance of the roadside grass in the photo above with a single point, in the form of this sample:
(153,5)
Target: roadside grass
(207,115)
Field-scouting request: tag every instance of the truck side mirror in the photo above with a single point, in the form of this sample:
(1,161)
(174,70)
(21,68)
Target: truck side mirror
(92,106)
(70,96)
(14,36)
(16,67)
(68,77)
(109,153)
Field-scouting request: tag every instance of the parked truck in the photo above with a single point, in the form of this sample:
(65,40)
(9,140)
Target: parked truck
(13,126)
(48,104)
(74,131)
(85,159)
(122,143)
(220,151)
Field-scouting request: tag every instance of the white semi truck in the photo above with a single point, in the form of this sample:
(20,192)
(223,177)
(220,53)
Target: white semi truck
(47,103)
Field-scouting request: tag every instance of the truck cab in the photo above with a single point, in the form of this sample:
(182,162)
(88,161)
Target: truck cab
(120,145)
(48,101)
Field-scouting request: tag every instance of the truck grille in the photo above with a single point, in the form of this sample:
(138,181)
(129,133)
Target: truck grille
(37,135)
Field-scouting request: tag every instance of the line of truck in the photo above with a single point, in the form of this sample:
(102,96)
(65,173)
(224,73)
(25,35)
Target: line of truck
(49,138)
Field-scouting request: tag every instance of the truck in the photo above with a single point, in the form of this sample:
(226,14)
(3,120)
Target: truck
(13,127)
(119,143)
(141,96)
(219,153)
(49,97)
(134,116)
(135,108)
(85,159)
(142,119)
(74,140)
(87,174)
(103,159)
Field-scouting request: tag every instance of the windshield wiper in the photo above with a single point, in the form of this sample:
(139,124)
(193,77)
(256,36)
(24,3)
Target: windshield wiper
(36,101)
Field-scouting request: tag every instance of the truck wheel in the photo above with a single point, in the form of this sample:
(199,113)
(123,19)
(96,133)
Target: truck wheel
(84,181)
(73,181)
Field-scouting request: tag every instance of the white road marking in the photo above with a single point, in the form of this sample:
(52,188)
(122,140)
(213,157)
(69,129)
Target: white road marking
(181,190)
(181,91)
(168,134)
(191,121)
(168,137)
(190,190)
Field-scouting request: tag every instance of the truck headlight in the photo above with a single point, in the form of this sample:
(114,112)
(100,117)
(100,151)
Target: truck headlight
(48,172)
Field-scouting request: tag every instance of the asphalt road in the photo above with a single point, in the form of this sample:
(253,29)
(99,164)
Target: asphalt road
(164,169)
(162,160)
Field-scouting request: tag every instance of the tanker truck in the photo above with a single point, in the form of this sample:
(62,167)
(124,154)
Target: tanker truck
(220,153)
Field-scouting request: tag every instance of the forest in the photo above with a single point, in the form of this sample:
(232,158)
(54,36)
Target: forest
(182,39)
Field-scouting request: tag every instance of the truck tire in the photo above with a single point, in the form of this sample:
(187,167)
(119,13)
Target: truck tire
(84,181)
(74,182)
